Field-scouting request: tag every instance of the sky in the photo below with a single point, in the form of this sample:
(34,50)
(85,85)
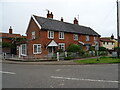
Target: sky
(100,15)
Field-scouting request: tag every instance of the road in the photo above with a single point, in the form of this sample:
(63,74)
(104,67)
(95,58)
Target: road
(59,76)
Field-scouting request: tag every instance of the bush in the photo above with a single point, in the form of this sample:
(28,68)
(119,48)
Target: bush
(81,52)
(102,53)
(8,45)
(117,48)
(68,58)
(91,48)
(73,48)
(102,49)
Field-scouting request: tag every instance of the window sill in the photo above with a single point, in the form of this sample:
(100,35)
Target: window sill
(37,53)
(23,55)
(75,40)
(50,38)
(61,38)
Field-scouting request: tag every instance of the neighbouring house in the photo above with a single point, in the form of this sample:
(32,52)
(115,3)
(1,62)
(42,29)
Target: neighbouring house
(107,43)
(8,41)
(47,36)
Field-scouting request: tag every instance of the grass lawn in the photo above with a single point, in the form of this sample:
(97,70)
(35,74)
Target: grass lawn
(101,60)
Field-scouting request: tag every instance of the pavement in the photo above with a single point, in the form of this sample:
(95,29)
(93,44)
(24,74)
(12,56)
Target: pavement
(70,62)
(42,62)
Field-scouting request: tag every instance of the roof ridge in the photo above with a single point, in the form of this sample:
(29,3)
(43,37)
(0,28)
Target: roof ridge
(60,21)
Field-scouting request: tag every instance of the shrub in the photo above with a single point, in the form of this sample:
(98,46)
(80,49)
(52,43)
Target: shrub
(73,48)
(91,49)
(102,49)
(68,58)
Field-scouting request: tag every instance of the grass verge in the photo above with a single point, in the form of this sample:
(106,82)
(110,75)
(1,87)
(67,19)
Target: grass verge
(101,60)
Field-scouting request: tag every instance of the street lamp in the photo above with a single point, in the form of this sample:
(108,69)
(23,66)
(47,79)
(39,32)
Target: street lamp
(118,27)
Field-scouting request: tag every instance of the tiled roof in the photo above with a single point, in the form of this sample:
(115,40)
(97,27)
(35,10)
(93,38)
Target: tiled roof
(55,25)
(7,35)
(106,40)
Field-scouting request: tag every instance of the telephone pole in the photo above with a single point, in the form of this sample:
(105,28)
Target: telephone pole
(118,28)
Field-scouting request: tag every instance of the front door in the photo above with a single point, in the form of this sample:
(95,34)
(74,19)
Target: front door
(51,50)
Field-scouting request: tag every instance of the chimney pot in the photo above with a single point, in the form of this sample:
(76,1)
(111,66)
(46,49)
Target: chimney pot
(49,15)
(62,19)
(75,21)
(10,30)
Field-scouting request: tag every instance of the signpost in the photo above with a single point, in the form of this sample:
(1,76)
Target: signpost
(97,48)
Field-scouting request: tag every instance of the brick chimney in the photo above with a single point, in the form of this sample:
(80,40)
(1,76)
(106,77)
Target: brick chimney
(10,30)
(49,15)
(75,21)
(61,19)
(112,36)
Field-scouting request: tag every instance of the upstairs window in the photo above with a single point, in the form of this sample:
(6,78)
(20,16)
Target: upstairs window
(62,46)
(50,34)
(36,48)
(87,38)
(33,35)
(61,35)
(75,36)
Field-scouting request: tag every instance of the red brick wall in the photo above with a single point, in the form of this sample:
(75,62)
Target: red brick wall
(42,38)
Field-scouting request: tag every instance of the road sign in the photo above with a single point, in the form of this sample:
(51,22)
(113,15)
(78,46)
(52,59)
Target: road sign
(96,46)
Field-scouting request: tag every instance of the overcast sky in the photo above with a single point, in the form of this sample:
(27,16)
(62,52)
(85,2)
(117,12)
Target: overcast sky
(100,15)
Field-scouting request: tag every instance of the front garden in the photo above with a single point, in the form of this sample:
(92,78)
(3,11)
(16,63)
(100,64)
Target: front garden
(101,60)
(76,52)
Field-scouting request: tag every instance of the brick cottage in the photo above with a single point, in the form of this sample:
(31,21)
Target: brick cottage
(8,40)
(47,35)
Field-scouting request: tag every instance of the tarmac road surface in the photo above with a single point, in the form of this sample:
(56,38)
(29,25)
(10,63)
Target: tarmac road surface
(59,76)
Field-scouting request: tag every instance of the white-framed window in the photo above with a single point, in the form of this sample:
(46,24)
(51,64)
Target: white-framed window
(75,36)
(50,34)
(62,46)
(23,49)
(87,38)
(61,35)
(37,48)
(33,35)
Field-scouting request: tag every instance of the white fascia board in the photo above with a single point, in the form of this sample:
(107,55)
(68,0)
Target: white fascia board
(36,22)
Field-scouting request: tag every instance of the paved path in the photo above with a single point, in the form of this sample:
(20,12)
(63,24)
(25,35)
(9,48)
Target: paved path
(61,62)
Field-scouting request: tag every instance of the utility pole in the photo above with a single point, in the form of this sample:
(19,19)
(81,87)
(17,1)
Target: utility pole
(118,28)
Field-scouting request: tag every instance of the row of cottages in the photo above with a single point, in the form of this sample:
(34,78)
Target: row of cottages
(8,41)
(47,35)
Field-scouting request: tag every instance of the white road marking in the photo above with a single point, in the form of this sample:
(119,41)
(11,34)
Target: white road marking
(58,69)
(84,79)
(7,72)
